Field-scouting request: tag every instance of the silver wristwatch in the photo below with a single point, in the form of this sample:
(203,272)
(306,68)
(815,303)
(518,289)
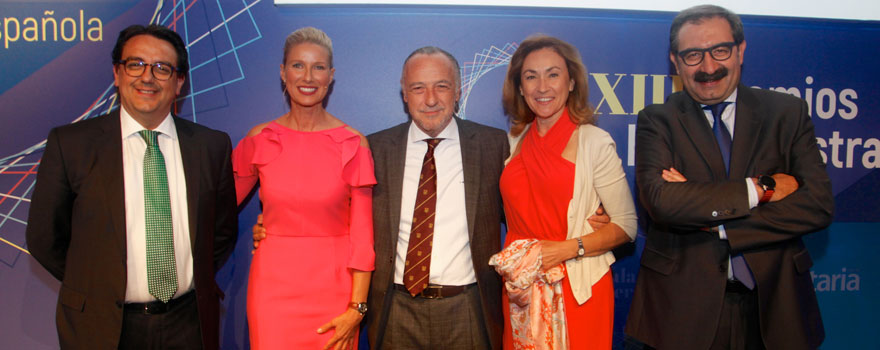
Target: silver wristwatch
(581,250)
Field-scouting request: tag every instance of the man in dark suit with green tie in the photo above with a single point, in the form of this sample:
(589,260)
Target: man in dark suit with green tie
(134,211)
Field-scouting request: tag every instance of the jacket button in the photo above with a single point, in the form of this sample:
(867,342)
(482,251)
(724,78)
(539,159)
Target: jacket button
(714,213)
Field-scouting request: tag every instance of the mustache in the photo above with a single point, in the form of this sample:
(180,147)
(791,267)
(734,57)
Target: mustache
(431,110)
(150,85)
(718,74)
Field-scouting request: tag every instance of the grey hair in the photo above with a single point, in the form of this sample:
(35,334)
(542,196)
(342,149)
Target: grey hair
(697,14)
(433,50)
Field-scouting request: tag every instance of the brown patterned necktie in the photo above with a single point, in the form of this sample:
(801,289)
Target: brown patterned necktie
(421,236)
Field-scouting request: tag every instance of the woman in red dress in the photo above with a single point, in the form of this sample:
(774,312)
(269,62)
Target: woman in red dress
(561,168)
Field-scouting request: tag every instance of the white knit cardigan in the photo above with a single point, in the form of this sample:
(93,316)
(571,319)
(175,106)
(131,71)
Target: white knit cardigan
(598,178)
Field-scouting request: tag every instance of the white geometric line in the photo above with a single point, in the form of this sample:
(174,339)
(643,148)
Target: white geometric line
(9,217)
(224,23)
(14,197)
(3,170)
(27,151)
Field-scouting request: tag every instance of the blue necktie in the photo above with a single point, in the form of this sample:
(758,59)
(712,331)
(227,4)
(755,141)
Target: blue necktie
(741,271)
(722,135)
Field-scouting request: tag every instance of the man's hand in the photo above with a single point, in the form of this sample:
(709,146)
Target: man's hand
(600,219)
(259,231)
(672,175)
(785,185)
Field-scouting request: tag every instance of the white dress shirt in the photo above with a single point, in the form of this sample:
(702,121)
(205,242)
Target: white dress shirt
(133,149)
(451,262)
(728,116)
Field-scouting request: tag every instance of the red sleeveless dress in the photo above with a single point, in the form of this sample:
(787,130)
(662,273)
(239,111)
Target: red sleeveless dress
(536,187)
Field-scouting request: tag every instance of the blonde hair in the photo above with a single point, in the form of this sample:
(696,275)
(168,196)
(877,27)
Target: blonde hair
(308,35)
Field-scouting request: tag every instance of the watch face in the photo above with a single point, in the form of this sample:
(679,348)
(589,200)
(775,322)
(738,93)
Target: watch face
(767,181)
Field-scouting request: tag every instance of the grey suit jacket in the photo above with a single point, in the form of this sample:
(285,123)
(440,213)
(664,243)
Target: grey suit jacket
(483,150)
(681,283)
(76,225)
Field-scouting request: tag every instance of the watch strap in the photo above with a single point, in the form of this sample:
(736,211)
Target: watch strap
(769,187)
(359,307)
(768,193)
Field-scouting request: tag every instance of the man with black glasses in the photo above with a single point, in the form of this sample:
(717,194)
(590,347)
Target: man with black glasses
(134,211)
(732,178)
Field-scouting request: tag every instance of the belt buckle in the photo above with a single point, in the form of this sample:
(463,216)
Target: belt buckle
(156,308)
(436,292)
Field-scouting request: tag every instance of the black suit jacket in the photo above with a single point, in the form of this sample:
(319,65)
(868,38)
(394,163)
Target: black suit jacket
(76,225)
(681,284)
(483,150)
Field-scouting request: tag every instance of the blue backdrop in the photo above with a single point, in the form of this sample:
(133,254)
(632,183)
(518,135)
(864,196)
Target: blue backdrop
(55,59)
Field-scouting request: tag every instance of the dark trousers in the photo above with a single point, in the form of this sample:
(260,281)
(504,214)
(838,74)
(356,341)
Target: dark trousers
(434,324)
(739,327)
(176,328)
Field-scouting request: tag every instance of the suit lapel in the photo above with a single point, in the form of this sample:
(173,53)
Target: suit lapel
(109,167)
(396,162)
(693,121)
(190,154)
(470,161)
(745,135)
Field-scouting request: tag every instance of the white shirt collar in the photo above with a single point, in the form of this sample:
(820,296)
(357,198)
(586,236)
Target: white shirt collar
(130,126)
(731,98)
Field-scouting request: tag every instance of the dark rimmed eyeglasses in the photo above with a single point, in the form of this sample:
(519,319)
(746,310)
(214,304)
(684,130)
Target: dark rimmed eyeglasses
(135,68)
(719,52)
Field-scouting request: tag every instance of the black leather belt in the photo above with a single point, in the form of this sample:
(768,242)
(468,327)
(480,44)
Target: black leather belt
(435,291)
(158,307)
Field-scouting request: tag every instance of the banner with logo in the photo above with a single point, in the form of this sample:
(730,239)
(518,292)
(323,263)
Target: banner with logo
(56,69)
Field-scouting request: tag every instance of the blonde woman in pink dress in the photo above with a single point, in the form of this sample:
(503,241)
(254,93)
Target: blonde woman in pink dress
(309,278)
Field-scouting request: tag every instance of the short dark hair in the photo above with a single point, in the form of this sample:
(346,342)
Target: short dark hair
(697,14)
(159,32)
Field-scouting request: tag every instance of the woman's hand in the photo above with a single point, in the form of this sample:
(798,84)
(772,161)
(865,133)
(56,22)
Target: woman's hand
(556,252)
(346,326)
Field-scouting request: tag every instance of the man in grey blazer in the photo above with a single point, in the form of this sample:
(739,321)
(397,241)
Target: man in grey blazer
(461,307)
(730,192)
